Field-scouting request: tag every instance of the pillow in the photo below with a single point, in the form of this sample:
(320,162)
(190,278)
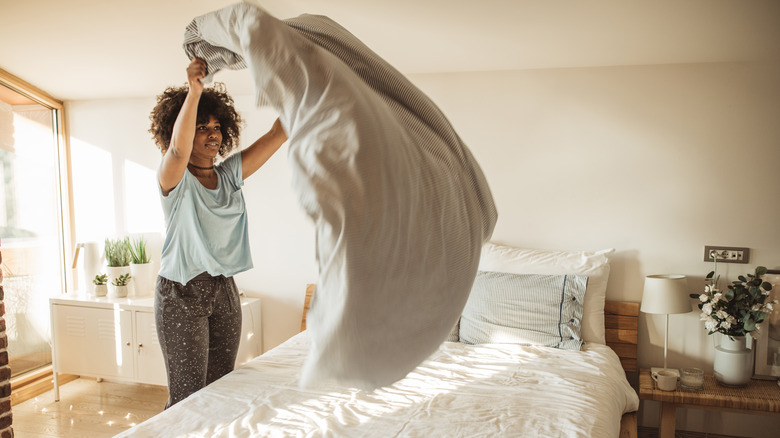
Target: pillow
(595,265)
(400,206)
(454,335)
(544,310)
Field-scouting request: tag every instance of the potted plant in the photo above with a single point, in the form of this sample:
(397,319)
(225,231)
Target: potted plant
(100,285)
(118,257)
(140,267)
(735,313)
(119,286)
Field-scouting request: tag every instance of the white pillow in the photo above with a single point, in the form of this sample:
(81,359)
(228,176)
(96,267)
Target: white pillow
(595,265)
(527,309)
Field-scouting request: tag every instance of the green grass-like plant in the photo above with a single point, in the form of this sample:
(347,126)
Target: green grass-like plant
(138,253)
(117,252)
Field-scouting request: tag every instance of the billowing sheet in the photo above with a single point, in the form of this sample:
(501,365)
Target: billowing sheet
(400,206)
(489,390)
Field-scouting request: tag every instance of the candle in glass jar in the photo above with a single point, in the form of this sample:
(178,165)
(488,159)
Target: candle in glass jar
(691,378)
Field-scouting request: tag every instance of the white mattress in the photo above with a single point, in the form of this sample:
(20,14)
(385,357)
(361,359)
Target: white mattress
(462,390)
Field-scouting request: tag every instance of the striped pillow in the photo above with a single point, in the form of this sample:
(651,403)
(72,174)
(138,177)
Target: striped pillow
(530,309)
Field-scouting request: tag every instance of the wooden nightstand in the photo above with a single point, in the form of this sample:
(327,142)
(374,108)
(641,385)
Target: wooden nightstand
(759,397)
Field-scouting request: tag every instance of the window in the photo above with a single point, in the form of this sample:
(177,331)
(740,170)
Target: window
(31,219)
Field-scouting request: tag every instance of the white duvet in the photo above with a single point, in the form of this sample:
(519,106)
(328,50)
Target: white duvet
(489,390)
(400,206)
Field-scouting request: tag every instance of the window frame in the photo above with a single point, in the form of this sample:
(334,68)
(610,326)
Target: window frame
(64,177)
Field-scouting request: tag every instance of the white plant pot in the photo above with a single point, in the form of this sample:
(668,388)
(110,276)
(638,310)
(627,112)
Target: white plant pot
(143,277)
(733,362)
(117,291)
(100,290)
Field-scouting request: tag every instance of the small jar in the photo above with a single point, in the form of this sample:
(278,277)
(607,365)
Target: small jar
(692,379)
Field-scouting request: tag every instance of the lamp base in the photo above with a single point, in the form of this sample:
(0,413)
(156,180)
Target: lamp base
(654,370)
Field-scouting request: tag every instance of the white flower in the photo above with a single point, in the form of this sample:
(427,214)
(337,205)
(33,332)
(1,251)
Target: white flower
(707,308)
(756,307)
(722,314)
(717,297)
(724,325)
(731,320)
(703,298)
(710,325)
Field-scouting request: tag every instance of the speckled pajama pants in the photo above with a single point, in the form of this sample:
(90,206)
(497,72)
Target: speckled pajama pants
(199,329)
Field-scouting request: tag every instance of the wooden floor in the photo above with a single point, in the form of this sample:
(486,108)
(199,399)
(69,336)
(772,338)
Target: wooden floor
(87,408)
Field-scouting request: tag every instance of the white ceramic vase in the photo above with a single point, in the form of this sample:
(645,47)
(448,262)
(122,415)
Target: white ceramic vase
(117,291)
(143,278)
(101,290)
(733,362)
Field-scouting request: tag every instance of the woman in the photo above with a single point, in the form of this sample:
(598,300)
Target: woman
(197,307)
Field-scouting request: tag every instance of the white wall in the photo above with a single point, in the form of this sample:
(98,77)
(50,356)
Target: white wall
(655,161)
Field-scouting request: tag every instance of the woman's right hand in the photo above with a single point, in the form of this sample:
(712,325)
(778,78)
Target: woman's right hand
(174,162)
(195,72)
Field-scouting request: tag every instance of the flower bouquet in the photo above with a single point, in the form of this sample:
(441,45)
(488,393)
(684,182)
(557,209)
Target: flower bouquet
(740,309)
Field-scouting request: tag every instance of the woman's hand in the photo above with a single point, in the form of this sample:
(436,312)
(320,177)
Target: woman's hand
(175,159)
(195,72)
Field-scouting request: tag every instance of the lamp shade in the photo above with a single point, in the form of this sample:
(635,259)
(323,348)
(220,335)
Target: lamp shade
(665,294)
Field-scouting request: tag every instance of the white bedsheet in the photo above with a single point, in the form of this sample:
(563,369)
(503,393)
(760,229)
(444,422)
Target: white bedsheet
(399,204)
(462,390)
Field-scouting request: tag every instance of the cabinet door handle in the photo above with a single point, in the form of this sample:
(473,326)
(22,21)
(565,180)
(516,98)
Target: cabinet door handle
(128,344)
(139,348)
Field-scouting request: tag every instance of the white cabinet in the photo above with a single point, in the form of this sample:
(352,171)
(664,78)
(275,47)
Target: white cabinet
(149,358)
(116,338)
(98,342)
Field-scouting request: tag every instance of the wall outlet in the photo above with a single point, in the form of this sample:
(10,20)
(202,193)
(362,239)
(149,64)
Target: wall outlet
(726,254)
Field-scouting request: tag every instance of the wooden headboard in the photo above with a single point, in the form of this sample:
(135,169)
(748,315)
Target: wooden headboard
(621,319)
(307,304)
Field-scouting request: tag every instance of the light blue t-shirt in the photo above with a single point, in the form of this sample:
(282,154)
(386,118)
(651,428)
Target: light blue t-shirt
(206,230)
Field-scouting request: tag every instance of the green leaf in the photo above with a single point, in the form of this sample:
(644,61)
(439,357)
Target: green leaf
(749,325)
(709,276)
(694,295)
(742,278)
(729,295)
(760,270)
(766,285)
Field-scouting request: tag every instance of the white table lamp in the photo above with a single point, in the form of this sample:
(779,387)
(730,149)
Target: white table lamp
(665,295)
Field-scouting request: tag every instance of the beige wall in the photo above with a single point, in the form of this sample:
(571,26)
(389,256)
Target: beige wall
(654,161)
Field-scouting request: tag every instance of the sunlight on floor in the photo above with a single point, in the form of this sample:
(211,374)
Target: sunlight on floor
(88,408)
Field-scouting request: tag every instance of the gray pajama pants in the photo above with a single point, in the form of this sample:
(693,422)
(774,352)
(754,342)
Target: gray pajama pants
(199,329)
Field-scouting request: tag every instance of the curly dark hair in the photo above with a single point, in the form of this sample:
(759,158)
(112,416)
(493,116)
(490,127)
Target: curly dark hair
(214,101)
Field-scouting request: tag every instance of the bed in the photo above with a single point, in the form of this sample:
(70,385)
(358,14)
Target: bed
(489,389)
